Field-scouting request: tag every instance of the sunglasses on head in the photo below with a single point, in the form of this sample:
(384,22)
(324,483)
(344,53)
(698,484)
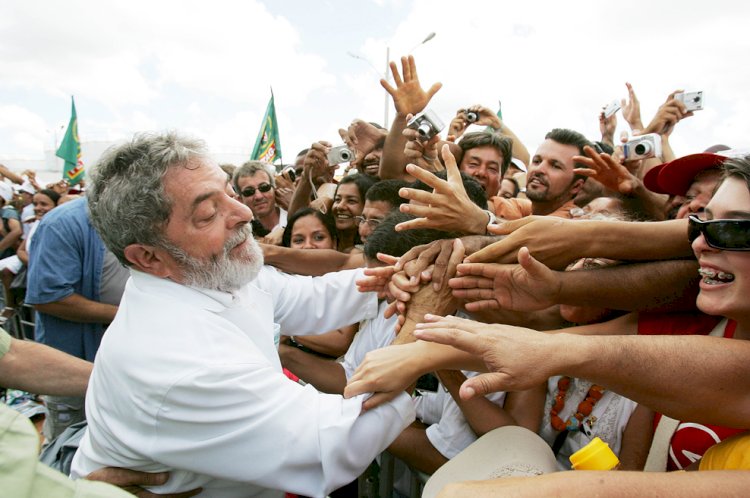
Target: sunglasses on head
(727,235)
(250,191)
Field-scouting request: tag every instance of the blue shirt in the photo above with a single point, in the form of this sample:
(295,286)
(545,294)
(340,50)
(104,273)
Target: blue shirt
(66,258)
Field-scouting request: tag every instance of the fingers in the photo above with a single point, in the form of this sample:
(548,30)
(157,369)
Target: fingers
(454,176)
(126,477)
(482,385)
(446,263)
(482,305)
(585,172)
(412,67)
(430,179)
(406,70)
(387,86)
(185,494)
(387,258)
(414,263)
(421,196)
(433,90)
(394,72)
(378,399)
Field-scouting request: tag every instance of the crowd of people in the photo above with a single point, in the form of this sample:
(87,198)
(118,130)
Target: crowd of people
(252,330)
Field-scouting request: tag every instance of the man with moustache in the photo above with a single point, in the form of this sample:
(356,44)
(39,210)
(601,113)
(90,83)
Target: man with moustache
(188,378)
(257,189)
(551,183)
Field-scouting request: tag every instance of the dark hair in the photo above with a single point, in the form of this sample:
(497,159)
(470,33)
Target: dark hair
(570,137)
(503,145)
(326,219)
(516,187)
(738,167)
(473,188)
(54,196)
(386,240)
(363,183)
(387,191)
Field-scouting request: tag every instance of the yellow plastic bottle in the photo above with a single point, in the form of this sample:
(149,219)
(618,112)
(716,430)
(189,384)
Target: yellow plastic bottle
(594,456)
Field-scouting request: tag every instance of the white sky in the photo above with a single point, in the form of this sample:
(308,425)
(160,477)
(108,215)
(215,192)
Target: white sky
(206,67)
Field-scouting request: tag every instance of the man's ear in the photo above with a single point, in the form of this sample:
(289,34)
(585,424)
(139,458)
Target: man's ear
(576,187)
(150,259)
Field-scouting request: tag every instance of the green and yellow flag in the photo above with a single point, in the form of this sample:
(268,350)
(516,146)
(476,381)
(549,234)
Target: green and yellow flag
(70,150)
(267,145)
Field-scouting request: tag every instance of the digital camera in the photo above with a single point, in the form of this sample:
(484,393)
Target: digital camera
(340,154)
(611,108)
(427,124)
(693,100)
(471,116)
(643,147)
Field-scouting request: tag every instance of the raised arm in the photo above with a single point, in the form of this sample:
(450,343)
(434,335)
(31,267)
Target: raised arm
(408,98)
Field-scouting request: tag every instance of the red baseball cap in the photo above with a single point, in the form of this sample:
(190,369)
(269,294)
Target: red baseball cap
(675,177)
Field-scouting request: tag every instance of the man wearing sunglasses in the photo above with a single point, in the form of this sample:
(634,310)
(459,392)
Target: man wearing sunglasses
(257,191)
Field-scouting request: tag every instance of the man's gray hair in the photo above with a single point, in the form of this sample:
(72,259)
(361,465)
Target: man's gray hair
(126,198)
(250,168)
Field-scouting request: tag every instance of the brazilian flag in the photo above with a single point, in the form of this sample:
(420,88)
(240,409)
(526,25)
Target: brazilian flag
(267,145)
(70,150)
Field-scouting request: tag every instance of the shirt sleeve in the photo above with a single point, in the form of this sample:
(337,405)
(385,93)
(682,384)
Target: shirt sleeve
(55,264)
(4,342)
(251,424)
(314,305)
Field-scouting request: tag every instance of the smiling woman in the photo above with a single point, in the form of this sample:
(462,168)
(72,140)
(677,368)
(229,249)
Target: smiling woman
(348,202)
(722,245)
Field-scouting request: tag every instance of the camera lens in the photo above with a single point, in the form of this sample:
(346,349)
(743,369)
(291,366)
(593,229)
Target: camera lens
(346,155)
(424,130)
(696,99)
(642,148)
(471,117)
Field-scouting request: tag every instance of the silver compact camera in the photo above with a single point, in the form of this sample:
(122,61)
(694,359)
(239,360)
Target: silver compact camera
(340,154)
(427,124)
(643,147)
(611,108)
(693,100)
(471,116)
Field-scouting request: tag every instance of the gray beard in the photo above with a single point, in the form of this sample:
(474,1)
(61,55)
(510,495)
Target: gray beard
(223,272)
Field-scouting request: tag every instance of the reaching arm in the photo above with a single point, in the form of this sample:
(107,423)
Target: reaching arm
(557,242)
(312,262)
(646,369)
(611,484)
(77,308)
(408,98)
(37,368)
(326,375)
(13,236)
(532,286)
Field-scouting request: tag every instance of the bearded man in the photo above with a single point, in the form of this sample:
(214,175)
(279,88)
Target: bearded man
(188,378)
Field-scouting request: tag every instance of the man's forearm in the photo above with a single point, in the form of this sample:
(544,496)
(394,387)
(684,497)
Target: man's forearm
(393,161)
(610,484)
(77,308)
(39,369)
(10,240)
(661,373)
(636,241)
(326,375)
(312,262)
(301,195)
(633,287)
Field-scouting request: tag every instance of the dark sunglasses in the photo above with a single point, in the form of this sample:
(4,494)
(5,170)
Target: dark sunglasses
(250,191)
(727,235)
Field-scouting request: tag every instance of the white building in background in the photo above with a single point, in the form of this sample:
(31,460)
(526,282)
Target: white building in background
(49,167)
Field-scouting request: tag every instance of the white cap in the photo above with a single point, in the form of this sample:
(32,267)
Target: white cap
(518,163)
(27,187)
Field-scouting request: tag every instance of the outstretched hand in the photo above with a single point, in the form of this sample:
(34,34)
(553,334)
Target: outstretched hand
(517,358)
(408,95)
(447,207)
(607,171)
(529,286)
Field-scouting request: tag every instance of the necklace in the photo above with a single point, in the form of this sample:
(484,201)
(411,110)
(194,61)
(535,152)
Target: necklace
(585,407)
